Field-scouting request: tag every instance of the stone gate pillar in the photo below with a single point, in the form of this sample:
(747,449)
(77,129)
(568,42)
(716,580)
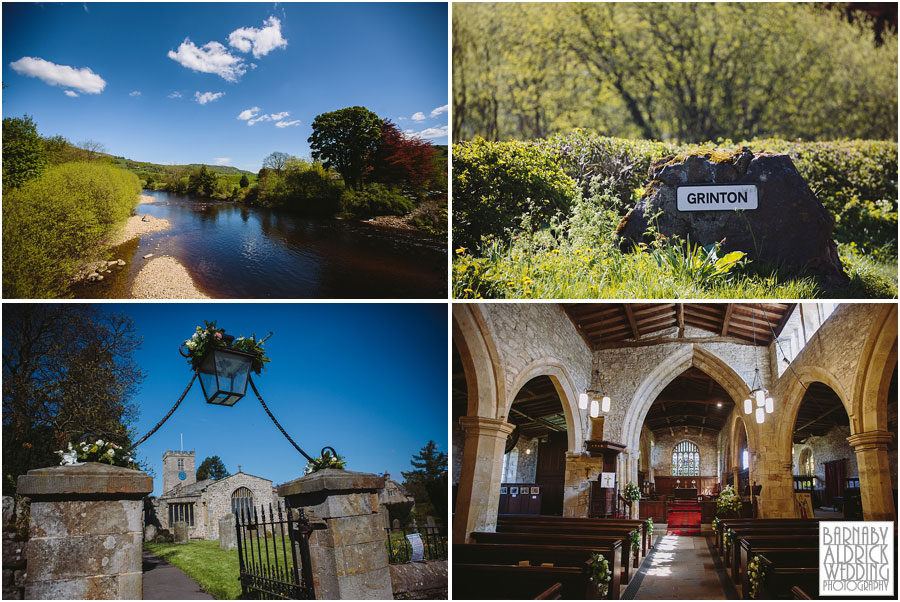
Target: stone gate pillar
(874,474)
(477,499)
(86,531)
(349,557)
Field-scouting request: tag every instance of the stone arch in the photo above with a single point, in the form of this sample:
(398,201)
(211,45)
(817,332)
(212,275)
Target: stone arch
(873,375)
(665,372)
(793,398)
(738,428)
(480,361)
(565,390)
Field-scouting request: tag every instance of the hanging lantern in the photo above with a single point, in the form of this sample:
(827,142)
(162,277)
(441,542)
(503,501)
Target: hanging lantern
(770,405)
(583,401)
(760,415)
(748,406)
(223,375)
(605,403)
(595,408)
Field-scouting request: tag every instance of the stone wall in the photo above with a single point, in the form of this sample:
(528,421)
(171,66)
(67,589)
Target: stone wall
(419,580)
(827,448)
(526,466)
(458,440)
(217,499)
(15,541)
(661,456)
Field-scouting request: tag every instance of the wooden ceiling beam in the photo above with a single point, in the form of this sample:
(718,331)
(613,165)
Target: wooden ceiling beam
(540,421)
(680,319)
(727,319)
(634,328)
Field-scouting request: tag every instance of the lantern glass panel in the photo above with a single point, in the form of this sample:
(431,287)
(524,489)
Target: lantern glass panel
(223,376)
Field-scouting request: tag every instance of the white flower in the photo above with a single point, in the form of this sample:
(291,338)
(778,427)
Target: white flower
(196,336)
(111,453)
(99,442)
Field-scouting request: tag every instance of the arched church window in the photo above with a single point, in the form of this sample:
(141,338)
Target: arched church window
(807,462)
(686,460)
(241,501)
(745,459)
(511,466)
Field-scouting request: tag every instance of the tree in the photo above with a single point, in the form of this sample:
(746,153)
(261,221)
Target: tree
(276,162)
(68,371)
(399,159)
(212,468)
(202,181)
(92,148)
(431,475)
(24,156)
(346,139)
(245,181)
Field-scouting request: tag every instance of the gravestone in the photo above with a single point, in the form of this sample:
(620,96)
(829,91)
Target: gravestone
(395,523)
(227,533)
(430,522)
(757,203)
(181,532)
(149,532)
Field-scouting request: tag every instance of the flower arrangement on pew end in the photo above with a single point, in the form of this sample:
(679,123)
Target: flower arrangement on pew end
(715,524)
(96,450)
(632,493)
(599,574)
(756,572)
(648,524)
(635,541)
(727,538)
(209,337)
(728,503)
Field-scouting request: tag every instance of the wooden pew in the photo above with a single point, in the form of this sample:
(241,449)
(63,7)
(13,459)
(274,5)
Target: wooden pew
(777,556)
(759,522)
(491,553)
(781,579)
(748,543)
(508,582)
(799,594)
(557,539)
(646,540)
(623,533)
(554,592)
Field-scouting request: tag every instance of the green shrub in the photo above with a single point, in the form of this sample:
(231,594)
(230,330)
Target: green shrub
(431,217)
(24,155)
(310,189)
(496,183)
(52,224)
(376,199)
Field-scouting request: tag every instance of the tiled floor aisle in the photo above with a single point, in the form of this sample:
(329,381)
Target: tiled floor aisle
(682,569)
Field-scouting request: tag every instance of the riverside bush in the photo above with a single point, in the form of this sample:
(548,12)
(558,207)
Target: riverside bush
(496,183)
(376,199)
(52,224)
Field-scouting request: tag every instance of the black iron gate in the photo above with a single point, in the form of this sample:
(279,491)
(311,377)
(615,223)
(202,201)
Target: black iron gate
(273,552)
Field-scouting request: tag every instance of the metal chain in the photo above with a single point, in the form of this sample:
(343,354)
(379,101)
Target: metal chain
(166,417)
(280,428)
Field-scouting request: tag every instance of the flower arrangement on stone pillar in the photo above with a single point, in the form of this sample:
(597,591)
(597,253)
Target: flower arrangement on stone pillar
(728,503)
(756,573)
(96,450)
(326,460)
(599,574)
(632,493)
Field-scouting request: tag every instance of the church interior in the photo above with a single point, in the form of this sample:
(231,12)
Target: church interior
(693,446)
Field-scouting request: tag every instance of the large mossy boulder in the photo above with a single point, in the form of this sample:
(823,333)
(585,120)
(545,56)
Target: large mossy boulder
(790,228)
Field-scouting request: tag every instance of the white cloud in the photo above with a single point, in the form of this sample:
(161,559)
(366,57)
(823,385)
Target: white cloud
(253,66)
(420,116)
(401,119)
(223,160)
(135,93)
(207,97)
(279,116)
(260,41)
(262,117)
(430,133)
(212,57)
(71,93)
(439,110)
(248,113)
(83,80)
(284,124)
(175,94)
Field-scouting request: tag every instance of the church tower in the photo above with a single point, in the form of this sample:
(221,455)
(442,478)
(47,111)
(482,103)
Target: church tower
(179,468)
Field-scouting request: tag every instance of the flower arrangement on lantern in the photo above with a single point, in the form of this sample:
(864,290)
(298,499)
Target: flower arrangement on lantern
(756,572)
(326,460)
(599,573)
(728,502)
(635,540)
(96,450)
(209,337)
(632,493)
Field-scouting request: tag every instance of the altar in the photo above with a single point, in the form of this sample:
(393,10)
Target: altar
(685,493)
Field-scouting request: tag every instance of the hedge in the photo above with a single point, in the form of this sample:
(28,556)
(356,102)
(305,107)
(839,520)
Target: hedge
(52,224)
(856,180)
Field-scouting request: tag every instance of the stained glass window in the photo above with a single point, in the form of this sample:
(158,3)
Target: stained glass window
(686,460)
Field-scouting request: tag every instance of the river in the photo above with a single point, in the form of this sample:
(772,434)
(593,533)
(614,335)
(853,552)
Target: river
(240,252)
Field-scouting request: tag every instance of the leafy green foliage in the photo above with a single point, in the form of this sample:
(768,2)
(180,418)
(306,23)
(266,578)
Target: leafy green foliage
(304,187)
(212,467)
(496,183)
(245,181)
(672,71)
(376,199)
(326,460)
(346,139)
(24,155)
(208,337)
(202,182)
(57,221)
(430,474)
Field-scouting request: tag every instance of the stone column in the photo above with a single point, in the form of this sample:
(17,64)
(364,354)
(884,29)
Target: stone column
(349,557)
(874,474)
(478,495)
(581,469)
(86,531)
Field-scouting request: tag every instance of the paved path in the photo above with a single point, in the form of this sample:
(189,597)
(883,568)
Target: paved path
(162,581)
(682,568)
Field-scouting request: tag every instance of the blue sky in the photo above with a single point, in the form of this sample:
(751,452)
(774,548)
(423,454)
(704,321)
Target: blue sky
(168,82)
(369,380)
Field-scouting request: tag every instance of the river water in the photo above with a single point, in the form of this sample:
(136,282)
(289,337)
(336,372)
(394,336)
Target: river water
(240,252)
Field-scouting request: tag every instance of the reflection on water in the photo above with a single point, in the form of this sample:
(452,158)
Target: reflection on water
(235,251)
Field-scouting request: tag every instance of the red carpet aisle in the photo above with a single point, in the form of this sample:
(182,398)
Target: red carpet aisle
(684,519)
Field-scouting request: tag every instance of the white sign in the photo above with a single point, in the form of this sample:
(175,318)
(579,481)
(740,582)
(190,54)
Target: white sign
(418,548)
(608,479)
(725,197)
(856,558)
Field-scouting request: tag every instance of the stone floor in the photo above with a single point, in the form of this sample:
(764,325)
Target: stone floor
(682,568)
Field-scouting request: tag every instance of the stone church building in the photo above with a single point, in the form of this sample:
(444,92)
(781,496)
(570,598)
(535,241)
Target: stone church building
(202,503)
(661,387)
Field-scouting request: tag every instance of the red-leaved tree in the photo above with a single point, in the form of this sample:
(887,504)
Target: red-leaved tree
(402,160)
